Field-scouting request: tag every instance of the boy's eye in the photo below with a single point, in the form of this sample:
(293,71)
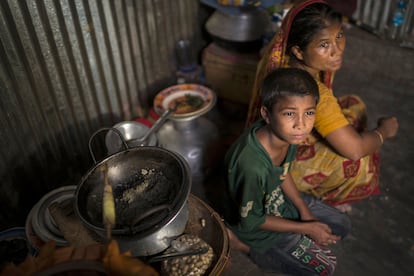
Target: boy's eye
(289,114)
(340,35)
(324,45)
(310,113)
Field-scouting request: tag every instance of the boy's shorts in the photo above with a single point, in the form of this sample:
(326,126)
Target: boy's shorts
(298,255)
(314,256)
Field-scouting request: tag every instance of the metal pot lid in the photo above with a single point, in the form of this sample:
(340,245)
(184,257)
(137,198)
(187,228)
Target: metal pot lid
(42,222)
(34,240)
(248,25)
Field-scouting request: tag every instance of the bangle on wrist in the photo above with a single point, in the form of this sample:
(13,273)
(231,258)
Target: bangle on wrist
(380,136)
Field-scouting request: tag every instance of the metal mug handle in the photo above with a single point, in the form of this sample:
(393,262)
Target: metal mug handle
(105,129)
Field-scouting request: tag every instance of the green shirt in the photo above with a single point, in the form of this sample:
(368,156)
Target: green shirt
(254,186)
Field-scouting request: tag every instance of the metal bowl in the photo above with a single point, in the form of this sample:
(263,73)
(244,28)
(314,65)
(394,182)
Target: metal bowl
(130,130)
(248,25)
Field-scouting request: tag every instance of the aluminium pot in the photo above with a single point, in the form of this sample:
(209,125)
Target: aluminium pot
(242,31)
(150,185)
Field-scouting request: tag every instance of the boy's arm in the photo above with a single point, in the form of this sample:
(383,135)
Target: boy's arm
(319,232)
(290,190)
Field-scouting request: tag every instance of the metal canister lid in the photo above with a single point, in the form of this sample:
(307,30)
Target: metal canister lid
(41,222)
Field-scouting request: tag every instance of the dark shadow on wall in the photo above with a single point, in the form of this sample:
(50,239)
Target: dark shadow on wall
(27,181)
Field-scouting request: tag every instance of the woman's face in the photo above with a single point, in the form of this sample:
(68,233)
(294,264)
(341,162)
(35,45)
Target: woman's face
(325,51)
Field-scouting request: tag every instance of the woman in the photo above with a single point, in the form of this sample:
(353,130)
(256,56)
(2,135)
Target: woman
(340,163)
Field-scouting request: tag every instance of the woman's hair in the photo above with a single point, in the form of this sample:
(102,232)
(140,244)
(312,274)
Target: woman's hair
(309,22)
(284,82)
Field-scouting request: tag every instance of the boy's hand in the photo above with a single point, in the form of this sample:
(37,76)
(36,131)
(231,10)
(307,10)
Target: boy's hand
(321,233)
(306,215)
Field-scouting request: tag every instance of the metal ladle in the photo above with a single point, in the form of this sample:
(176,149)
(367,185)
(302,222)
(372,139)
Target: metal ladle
(167,113)
(189,252)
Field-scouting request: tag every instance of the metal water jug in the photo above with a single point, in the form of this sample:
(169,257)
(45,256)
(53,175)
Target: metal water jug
(191,134)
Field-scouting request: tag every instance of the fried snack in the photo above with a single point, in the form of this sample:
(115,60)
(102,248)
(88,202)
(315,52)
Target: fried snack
(195,265)
(125,264)
(108,210)
(114,262)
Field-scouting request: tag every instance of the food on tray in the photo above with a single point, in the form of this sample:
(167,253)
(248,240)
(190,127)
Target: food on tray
(186,104)
(195,265)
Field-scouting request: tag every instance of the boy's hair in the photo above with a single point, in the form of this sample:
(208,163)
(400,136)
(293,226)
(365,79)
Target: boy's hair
(285,82)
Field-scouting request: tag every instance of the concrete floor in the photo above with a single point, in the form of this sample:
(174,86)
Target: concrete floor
(382,239)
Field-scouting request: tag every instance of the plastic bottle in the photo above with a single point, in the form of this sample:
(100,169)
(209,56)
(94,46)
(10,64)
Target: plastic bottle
(272,28)
(398,18)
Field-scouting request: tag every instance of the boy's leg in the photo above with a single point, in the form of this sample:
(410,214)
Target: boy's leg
(237,244)
(339,222)
(296,255)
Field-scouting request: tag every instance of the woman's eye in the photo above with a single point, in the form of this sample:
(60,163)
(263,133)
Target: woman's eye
(289,114)
(325,45)
(340,35)
(310,113)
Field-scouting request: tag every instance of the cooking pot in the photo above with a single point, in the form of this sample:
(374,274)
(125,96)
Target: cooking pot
(240,31)
(131,131)
(150,186)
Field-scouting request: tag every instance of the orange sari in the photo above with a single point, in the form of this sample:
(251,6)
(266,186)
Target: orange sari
(318,169)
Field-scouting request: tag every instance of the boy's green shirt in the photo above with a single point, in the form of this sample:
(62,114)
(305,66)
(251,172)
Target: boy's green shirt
(254,186)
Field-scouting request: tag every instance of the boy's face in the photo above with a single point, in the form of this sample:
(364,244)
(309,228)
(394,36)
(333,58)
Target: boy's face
(292,118)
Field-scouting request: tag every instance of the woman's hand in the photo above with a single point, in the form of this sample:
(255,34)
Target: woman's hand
(388,126)
(353,145)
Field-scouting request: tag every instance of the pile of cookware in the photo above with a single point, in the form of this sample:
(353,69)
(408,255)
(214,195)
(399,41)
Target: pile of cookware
(150,187)
(150,184)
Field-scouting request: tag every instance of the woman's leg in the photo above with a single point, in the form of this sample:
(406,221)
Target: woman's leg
(320,171)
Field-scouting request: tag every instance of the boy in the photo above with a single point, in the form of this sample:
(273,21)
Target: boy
(283,230)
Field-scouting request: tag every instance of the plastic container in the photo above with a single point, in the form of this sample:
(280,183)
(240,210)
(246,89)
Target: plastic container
(186,61)
(398,19)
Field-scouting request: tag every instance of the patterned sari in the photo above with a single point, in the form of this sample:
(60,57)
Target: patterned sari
(318,169)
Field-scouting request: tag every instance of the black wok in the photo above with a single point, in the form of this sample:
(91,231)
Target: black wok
(151,186)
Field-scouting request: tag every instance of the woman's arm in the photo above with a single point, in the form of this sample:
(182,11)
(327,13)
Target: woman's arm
(353,145)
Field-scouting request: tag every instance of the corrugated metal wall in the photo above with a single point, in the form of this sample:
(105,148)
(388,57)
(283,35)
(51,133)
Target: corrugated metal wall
(376,17)
(69,67)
